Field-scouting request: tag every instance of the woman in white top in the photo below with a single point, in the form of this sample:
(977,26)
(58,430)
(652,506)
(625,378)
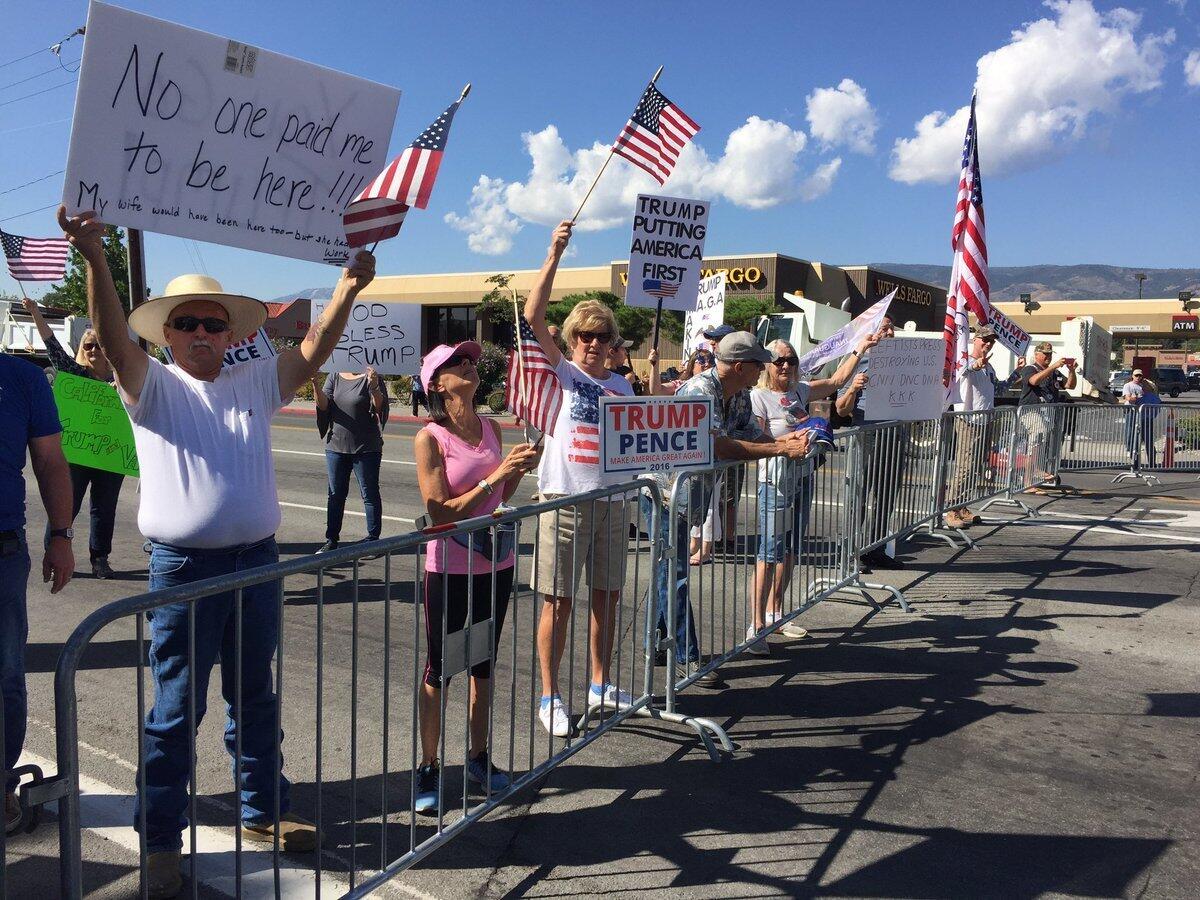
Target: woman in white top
(591,537)
(784,495)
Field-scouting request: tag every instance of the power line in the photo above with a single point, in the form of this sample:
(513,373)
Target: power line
(5,87)
(34,125)
(35,93)
(28,183)
(29,213)
(56,49)
(23,58)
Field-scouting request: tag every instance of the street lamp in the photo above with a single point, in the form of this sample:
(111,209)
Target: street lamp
(1186,301)
(1141,277)
(1029,303)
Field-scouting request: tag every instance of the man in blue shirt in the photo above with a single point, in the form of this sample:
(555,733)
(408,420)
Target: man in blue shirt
(28,418)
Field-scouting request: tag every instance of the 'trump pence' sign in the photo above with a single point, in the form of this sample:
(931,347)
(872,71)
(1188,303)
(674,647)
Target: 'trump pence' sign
(385,336)
(708,314)
(655,434)
(183,132)
(1009,333)
(904,380)
(667,248)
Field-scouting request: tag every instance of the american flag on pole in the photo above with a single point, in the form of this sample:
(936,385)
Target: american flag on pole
(35,259)
(534,392)
(378,212)
(655,134)
(969,291)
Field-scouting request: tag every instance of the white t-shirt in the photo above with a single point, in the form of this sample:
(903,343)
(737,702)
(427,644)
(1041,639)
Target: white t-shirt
(772,408)
(1133,393)
(976,389)
(204,450)
(571,460)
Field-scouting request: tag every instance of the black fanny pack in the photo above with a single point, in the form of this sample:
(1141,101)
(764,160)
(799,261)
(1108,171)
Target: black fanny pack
(481,541)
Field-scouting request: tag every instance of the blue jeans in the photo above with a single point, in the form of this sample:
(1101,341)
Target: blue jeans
(366,471)
(167,739)
(686,647)
(14,632)
(782,520)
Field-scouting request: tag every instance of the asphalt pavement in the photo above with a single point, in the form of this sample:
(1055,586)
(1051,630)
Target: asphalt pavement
(1028,730)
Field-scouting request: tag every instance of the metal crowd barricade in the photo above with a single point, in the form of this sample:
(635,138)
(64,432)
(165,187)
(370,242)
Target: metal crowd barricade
(1101,437)
(1167,439)
(361,611)
(1034,452)
(975,458)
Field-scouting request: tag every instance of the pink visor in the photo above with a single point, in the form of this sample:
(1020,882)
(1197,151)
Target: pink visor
(436,358)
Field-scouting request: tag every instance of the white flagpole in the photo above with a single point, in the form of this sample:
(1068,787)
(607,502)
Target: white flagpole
(607,159)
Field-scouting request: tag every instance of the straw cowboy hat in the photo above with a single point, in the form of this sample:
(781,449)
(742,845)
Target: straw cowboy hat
(246,315)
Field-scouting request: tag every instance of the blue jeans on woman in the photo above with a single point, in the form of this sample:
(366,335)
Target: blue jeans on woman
(366,471)
(14,632)
(673,583)
(167,739)
(783,518)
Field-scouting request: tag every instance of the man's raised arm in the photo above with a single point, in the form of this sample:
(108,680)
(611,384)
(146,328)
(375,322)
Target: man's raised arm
(299,364)
(129,361)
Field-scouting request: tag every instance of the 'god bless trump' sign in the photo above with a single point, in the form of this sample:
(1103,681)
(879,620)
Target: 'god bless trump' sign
(655,434)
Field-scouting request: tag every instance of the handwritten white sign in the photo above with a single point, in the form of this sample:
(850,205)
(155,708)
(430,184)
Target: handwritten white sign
(183,132)
(257,346)
(904,380)
(666,252)
(708,314)
(385,336)
(655,434)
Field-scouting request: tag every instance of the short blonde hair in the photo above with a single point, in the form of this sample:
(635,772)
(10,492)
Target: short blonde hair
(778,345)
(590,315)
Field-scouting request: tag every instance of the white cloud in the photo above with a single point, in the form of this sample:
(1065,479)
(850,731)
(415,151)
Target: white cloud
(1038,92)
(760,167)
(1178,4)
(842,115)
(1191,69)
(489,227)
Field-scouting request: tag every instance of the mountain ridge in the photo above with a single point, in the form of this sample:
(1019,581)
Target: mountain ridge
(1057,282)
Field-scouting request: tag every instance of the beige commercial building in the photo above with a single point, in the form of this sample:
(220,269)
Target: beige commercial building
(1132,319)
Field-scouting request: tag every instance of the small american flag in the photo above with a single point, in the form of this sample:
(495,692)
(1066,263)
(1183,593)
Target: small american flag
(655,134)
(35,259)
(378,212)
(657,288)
(534,392)
(969,292)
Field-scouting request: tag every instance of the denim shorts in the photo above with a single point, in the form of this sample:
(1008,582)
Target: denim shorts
(780,522)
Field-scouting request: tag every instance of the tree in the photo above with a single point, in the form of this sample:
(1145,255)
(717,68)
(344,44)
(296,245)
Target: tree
(743,313)
(71,295)
(497,304)
(636,323)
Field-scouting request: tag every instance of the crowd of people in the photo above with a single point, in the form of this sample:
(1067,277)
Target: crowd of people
(208,506)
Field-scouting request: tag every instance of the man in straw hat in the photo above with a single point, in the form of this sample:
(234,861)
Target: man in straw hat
(209,508)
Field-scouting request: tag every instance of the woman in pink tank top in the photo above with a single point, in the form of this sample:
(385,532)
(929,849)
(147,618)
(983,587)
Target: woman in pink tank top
(462,474)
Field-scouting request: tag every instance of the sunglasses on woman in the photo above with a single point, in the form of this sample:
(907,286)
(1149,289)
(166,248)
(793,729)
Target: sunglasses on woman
(600,337)
(792,361)
(189,324)
(90,346)
(455,361)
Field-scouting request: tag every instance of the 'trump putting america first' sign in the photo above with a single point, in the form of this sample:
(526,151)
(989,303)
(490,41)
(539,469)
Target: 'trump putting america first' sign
(655,434)
(666,252)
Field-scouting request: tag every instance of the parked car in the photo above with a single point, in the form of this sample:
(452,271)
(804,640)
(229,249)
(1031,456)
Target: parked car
(1118,379)
(1171,381)
(1194,380)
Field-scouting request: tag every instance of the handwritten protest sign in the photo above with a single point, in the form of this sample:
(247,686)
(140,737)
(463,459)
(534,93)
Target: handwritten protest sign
(386,336)
(183,132)
(257,346)
(96,429)
(847,337)
(904,380)
(708,314)
(655,434)
(1009,333)
(665,255)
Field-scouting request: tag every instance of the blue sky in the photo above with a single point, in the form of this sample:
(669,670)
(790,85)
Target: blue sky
(1086,119)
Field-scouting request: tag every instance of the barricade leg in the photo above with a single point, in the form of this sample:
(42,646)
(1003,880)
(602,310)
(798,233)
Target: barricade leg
(1009,497)
(946,438)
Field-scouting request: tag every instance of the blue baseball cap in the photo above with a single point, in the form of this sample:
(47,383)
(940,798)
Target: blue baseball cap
(718,332)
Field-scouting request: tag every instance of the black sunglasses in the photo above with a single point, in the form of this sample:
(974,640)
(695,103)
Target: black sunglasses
(600,337)
(90,345)
(189,324)
(456,360)
(792,361)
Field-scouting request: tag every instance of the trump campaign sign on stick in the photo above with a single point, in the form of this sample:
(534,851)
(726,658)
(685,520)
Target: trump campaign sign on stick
(183,132)
(1009,333)
(666,252)
(655,434)
(708,314)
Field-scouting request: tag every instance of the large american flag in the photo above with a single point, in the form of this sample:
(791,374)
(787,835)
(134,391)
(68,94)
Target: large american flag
(534,392)
(655,134)
(35,259)
(969,291)
(378,212)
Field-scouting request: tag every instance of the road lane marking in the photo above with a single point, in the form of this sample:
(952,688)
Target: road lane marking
(349,512)
(394,462)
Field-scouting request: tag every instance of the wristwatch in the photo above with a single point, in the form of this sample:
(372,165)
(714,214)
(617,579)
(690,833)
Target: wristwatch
(68,533)
(487,488)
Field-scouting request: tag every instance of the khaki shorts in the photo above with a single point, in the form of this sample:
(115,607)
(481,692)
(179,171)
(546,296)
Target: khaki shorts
(591,538)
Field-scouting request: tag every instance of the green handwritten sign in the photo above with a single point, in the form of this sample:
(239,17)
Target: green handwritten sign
(96,429)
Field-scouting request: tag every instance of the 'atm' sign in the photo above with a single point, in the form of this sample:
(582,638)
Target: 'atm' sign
(1187,324)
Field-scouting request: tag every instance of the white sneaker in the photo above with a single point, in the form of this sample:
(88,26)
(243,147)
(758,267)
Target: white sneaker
(759,647)
(772,618)
(792,630)
(554,717)
(610,697)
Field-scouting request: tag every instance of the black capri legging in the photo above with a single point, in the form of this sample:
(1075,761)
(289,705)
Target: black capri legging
(452,589)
